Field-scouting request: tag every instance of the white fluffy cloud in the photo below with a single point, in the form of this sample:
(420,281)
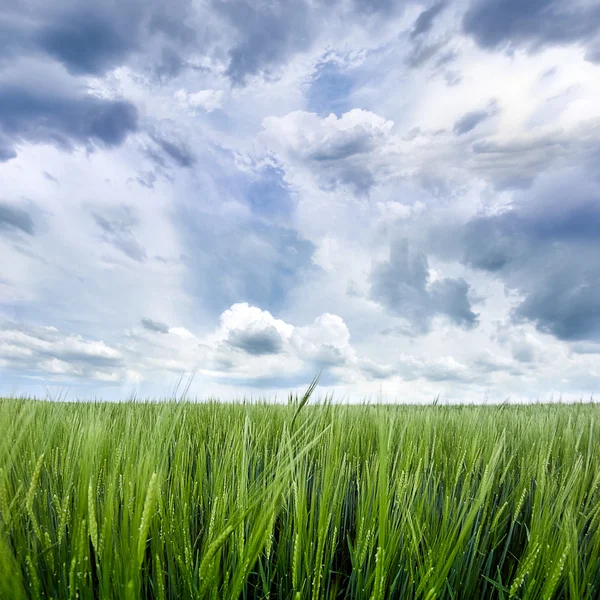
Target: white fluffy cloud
(249,339)
(208,100)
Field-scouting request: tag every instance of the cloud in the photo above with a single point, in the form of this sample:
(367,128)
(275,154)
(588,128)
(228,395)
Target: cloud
(155,326)
(373,370)
(376,7)
(147,179)
(93,38)
(490,362)
(426,18)
(544,247)
(242,38)
(86,42)
(341,151)
(248,341)
(15,217)
(402,284)
(272,157)
(45,351)
(410,368)
(252,330)
(257,342)
(469,121)
(208,100)
(177,150)
(586,347)
(169,65)
(421,52)
(248,346)
(525,347)
(451,297)
(570,314)
(116,225)
(476,370)
(444,368)
(266,34)
(533,24)
(472,119)
(63,114)
(593,51)
(507,158)
(326,342)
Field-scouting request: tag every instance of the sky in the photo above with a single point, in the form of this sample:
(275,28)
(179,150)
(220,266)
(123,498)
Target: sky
(405,195)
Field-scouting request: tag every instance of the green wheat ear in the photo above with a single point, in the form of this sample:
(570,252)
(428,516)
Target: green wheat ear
(306,397)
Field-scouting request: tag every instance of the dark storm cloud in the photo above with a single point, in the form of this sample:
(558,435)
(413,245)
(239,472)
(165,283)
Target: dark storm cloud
(451,297)
(266,34)
(15,217)
(269,33)
(593,52)
(546,250)
(425,20)
(402,285)
(533,24)
(255,341)
(86,42)
(63,117)
(93,37)
(155,326)
(117,231)
(7,151)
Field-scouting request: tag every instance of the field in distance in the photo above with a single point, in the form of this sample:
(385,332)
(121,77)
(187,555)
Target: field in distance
(226,501)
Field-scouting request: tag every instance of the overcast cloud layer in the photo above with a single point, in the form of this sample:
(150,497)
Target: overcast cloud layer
(405,195)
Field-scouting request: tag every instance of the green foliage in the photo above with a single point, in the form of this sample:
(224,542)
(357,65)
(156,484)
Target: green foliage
(218,501)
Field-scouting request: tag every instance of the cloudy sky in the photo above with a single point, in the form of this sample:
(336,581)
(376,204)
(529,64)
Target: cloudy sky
(405,194)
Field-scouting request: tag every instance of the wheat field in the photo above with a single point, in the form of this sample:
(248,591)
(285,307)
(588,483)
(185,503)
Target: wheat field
(259,500)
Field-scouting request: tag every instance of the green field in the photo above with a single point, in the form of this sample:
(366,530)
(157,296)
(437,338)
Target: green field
(216,500)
